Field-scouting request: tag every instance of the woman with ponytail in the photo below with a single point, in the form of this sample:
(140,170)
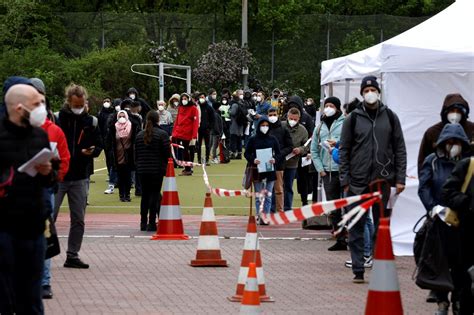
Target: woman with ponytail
(152,150)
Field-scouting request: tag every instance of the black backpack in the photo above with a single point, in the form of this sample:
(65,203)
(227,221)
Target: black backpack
(241,116)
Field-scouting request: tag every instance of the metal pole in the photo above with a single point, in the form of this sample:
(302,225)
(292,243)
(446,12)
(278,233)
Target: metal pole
(103,31)
(273,55)
(244,38)
(162,80)
(188,80)
(346,92)
(327,39)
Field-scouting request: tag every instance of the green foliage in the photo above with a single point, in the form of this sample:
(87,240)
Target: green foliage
(353,42)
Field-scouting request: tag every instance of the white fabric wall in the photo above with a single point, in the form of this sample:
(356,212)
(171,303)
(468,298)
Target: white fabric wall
(417,99)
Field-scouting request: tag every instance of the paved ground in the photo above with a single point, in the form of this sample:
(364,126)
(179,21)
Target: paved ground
(134,275)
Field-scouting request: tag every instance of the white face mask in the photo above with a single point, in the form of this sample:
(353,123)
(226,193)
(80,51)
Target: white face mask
(259,99)
(176,104)
(241,96)
(132,96)
(454,118)
(77,111)
(329,111)
(117,108)
(185,102)
(122,120)
(264,129)
(273,119)
(254,98)
(106,104)
(202,100)
(37,115)
(224,102)
(161,108)
(454,150)
(371,97)
(292,122)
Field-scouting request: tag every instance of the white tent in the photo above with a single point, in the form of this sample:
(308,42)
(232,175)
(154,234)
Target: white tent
(417,69)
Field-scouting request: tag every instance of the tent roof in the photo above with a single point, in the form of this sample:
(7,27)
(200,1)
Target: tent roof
(443,43)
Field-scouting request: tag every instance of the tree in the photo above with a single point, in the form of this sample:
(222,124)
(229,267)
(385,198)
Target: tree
(354,41)
(222,64)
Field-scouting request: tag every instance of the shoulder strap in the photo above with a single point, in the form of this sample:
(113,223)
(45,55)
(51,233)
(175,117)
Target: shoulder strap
(468,177)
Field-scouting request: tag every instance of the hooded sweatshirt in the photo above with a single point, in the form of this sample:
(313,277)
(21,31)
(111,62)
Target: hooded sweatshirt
(437,167)
(262,141)
(428,143)
(306,120)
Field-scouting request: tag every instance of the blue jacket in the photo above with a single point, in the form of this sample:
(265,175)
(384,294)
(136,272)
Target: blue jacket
(437,167)
(322,160)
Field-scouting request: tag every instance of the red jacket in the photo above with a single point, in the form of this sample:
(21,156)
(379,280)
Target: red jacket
(187,123)
(56,135)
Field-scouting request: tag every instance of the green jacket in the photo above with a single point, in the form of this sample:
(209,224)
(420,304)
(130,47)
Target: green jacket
(299,136)
(322,159)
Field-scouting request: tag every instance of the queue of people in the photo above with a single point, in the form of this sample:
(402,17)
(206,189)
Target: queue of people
(343,151)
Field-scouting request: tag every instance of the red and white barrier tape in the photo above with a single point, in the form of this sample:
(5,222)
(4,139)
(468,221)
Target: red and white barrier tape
(355,214)
(309,211)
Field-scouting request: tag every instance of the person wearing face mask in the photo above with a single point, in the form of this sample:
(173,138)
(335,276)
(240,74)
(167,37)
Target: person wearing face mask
(286,146)
(325,137)
(132,93)
(299,136)
(275,98)
(238,116)
(224,109)
(264,180)
(310,108)
(261,107)
(122,137)
(372,147)
(22,204)
(104,115)
(205,127)
(57,140)
(451,146)
(186,129)
(166,120)
(173,103)
(455,109)
(211,97)
(216,133)
(85,144)
(111,120)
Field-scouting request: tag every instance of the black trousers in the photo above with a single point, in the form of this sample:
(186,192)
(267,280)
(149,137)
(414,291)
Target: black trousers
(151,197)
(124,173)
(332,188)
(185,153)
(305,183)
(203,135)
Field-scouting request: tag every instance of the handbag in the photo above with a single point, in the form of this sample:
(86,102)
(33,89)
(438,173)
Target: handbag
(248,178)
(432,271)
(451,215)
(52,242)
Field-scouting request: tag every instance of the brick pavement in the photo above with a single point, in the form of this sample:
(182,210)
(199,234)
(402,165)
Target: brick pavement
(131,275)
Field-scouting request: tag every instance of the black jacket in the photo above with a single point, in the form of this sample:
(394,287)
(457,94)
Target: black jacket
(262,141)
(284,140)
(81,132)
(22,210)
(152,158)
(145,106)
(218,127)
(207,117)
(103,118)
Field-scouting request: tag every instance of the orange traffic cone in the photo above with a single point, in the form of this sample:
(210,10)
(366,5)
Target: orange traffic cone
(384,291)
(251,299)
(208,251)
(170,225)
(251,253)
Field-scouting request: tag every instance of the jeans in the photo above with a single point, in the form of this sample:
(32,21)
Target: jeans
(113,176)
(267,203)
(236,143)
(48,198)
(21,268)
(151,197)
(288,177)
(76,196)
(356,234)
(368,236)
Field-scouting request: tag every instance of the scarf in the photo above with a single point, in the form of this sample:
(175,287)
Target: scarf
(123,130)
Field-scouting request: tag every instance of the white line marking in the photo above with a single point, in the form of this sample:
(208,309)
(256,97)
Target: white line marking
(135,207)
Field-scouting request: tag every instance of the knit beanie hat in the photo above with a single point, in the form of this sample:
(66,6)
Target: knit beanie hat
(334,100)
(369,80)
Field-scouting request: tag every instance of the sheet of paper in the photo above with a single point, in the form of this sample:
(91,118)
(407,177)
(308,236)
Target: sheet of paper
(54,149)
(289,156)
(393,198)
(41,157)
(305,161)
(264,156)
(307,142)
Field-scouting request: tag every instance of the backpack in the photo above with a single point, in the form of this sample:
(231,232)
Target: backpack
(241,116)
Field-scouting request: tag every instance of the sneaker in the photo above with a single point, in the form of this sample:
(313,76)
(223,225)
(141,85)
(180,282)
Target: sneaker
(215,161)
(368,263)
(109,190)
(340,245)
(46,292)
(358,278)
(75,263)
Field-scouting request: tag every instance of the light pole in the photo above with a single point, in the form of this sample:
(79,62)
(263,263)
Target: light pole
(245,70)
